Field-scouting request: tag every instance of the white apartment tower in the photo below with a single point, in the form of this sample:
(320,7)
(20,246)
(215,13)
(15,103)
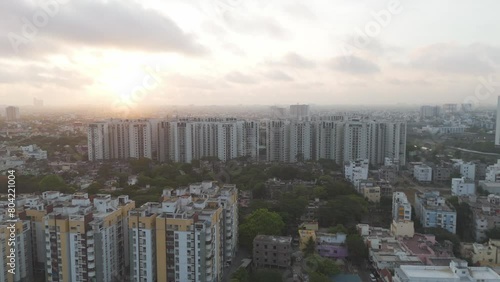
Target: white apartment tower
(497,131)
(301,143)
(329,137)
(277,140)
(98,141)
(140,137)
(401,208)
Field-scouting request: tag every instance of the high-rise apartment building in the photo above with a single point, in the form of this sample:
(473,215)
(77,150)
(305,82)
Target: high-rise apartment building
(15,242)
(11,113)
(299,111)
(430,111)
(189,236)
(329,137)
(497,130)
(183,140)
(301,141)
(78,238)
(277,140)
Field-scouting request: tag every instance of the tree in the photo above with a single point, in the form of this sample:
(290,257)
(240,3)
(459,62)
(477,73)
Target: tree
(442,235)
(318,277)
(94,188)
(259,191)
(141,165)
(266,275)
(241,275)
(493,233)
(310,247)
(358,251)
(53,182)
(339,228)
(261,221)
(319,267)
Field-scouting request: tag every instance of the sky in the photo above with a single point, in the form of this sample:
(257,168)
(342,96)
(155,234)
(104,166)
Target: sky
(240,52)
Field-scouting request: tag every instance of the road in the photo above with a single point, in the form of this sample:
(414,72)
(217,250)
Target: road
(476,152)
(240,255)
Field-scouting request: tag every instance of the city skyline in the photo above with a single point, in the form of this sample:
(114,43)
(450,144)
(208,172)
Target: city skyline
(241,52)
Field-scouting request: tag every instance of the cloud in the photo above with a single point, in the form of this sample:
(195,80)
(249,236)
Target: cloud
(299,10)
(41,76)
(278,75)
(257,25)
(237,77)
(116,24)
(353,65)
(453,58)
(293,60)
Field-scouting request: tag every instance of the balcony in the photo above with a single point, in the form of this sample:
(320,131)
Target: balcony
(91,265)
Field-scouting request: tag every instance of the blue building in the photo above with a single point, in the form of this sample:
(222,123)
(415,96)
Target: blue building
(433,211)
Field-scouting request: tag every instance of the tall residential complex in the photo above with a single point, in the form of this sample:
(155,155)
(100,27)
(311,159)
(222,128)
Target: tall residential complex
(497,131)
(15,242)
(11,113)
(299,111)
(430,111)
(77,238)
(189,236)
(183,140)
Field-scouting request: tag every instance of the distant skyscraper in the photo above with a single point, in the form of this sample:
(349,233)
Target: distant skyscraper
(299,111)
(497,131)
(12,113)
(429,111)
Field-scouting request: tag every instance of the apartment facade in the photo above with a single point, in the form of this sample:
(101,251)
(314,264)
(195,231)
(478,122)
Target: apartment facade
(433,211)
(189,236)
(285,140)
(272,251)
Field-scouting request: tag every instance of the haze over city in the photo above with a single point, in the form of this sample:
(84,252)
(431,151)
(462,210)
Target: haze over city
(249,141)
(237,52)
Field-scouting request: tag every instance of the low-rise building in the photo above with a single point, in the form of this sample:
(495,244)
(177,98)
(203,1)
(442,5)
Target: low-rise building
(33,151)
(305,236)
(422,173)
(433,211)
(487,254)
(356,171)
(485,213)
(458,270)
(372,194)
(331,245)
(441,173)
(493,172)
(272,251)
(468,171)
(462,186)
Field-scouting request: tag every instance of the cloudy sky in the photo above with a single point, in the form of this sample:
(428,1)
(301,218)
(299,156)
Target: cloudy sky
(230,52)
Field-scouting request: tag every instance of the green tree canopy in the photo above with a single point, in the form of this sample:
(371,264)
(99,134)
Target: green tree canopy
(94,188)
(53,182)
(261,221)
(241,275)
(267,275)
(310,247)
(357,248)
(339,228)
